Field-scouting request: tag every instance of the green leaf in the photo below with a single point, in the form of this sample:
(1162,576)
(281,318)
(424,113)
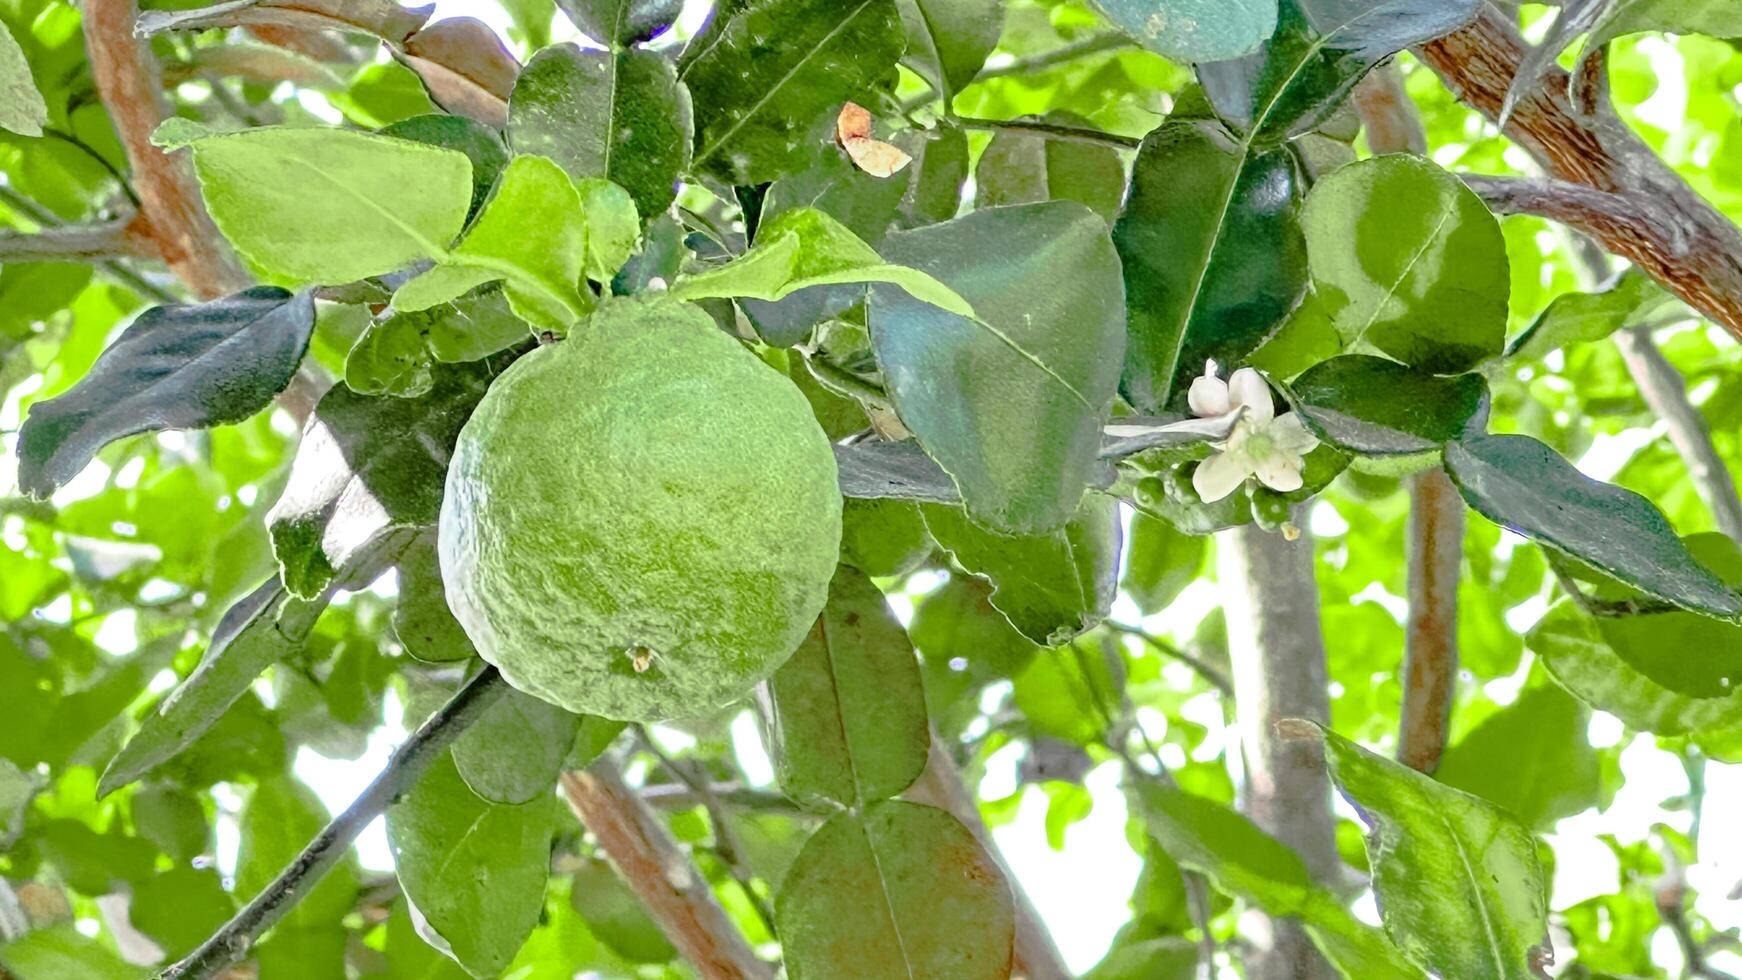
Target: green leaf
(1022,168)
(1319,51)
(1070,694)
(1375,407)
(21,107)
(902,891)
(939,172)
(1458,882)
(1580,318)
(623,116)
(848,709)
(475,870)
(331,206)
(481,145)
(61,952)
(1213,256)
(763,74)
(1691,655)
(620,23)
(392,357)
(1520,483)
(948,40)
(531,233)
(367,466)
(1622,17)
(180,907)
(1160,562)
(616,916)
(1243,860)
(1408,262)
(802,248)
(171,818)
(174,367)
(426,628)
(1052,586)
(1193,30)
(613,227)
(513,752)
(883,538)
(279,820)
(1010,404)
(1167,958)
(1530,758)
(261,629)
(16,791)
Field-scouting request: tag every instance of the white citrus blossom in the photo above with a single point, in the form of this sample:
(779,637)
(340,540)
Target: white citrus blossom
(1261,444)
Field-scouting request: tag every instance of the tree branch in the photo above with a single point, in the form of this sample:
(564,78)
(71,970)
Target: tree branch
(127,81)
(661,875)
(232,942)
(1594,212)
(95,244)
(1701,261)
(1074,134)
(1271,601)
(941,785)
(1091,45)
(1199,666)
(1665,391)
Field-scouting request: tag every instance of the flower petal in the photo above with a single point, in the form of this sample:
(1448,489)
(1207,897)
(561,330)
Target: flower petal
(1248,389)
(1219,476)
(1290,433)
(1208,396)
(1279,471)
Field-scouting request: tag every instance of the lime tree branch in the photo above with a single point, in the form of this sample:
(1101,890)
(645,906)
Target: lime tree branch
(1683,242)
(126,77)
(1073,134)
(662,876)
(230,943)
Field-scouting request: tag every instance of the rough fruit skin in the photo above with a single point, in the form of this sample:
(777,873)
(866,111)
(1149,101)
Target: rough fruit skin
(648,494)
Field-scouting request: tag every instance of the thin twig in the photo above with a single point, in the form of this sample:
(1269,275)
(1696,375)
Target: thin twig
(1199,666)
(1091,45)
(95,244)
(725,841)
(661,875)
(1074,134)
(114,269)
(1586,209)
(677,796)
(230,943)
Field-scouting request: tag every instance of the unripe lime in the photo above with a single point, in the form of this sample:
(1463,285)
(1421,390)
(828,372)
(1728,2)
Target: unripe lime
(641,521)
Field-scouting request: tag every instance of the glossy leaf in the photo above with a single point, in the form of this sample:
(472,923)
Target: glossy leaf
(848,708)
(619,23)
(513,752)
(385,202)
(1408,262)
(1579,318)
(174,367)
(365,466)
(1522,484)
(474,870)
(1011,405)
(1574,651)
(532,234)
(1691,655)
(21,107)
(1193,30)
(1458,882)
(1052,586)
(1530,758)
(939,170)
(622,116)
(1213,256)
(1024,168)
(1320,49)
(1377,407)
(763,74)
(893,471)
(901,891)
(948,40)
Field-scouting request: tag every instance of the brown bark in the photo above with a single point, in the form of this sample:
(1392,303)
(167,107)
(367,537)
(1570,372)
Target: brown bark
(127,80)
(1702,265)
(1275,643)
(1430,662)
(661,875)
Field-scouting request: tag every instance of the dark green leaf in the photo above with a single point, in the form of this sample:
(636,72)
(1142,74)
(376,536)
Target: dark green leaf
(1376,407)
(763,74)
(1194,30)
(948,40)
(620,23)
(1319,50)
(175,367)
(513,752)
(426,627)
(1688,654)
(475,870)
(1213,256)
(1010,405)
(1530,758)
(939,169)
(366,466)
(1023,168)
(1578,318)
(893,471)
(1457,878)
(1052,586)
(849,708)
(903,891)
(1522,484)
(622,116)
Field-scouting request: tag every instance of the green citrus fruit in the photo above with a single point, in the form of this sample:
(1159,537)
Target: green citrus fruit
(640,522)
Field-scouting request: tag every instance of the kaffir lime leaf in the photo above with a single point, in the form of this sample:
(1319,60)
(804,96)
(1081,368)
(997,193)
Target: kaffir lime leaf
(640,522)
